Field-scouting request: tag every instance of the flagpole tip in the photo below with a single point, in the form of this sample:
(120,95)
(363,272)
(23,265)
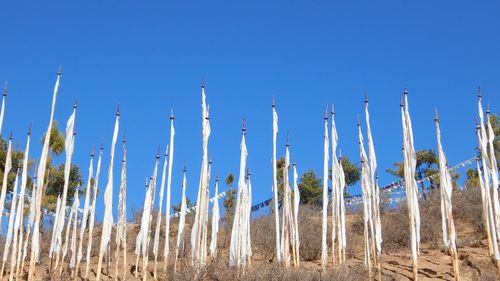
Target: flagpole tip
(287,139)
(366,97)
(202,83)
(29,129)
(359,123)
(243,127)
(273,104)
(488,109)
(479,94)
(405,91)
(92,151)
(158,153)
(5,88)
(102,147)
(184,169)
(118,110)
(436,117)
(326,112)
(59,72)
(172,117)
(333,109)
(10,136)
(75,104)
(124,136)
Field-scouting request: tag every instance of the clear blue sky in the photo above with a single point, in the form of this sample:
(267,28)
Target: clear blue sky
(151,57)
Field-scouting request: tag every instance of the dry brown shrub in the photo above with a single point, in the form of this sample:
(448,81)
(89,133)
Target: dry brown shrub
(467,210)
(263,237)
(310,232)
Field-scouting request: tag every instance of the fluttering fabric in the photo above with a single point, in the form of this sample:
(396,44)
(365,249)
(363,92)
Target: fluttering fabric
(275,185)
(198,242)
(166,249)
(69,144)
(40,177)
(366,190)
(108,202)
(85,214)
(410,162)
(6,171)
(121,227)
(238,248)
(92,211)
(375,191)
(446,187)
(179,248)
(215,222)
(324,224)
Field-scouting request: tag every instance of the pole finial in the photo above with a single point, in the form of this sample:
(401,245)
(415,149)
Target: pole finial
(118,110)
(287,139)
(401,103)
(359,123)
(479,94)
(488,109)
(102,147)
(59,72)
(75,104)
(273,102)
(172,117)
(92,151)
(29,129)
(333,109)
(124,136)
(184,169)
(203,83)
(326,112)
(10,136)
(5,88)
(436,117)
(405,90)
(243,126)
(366,97)
(158,153)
